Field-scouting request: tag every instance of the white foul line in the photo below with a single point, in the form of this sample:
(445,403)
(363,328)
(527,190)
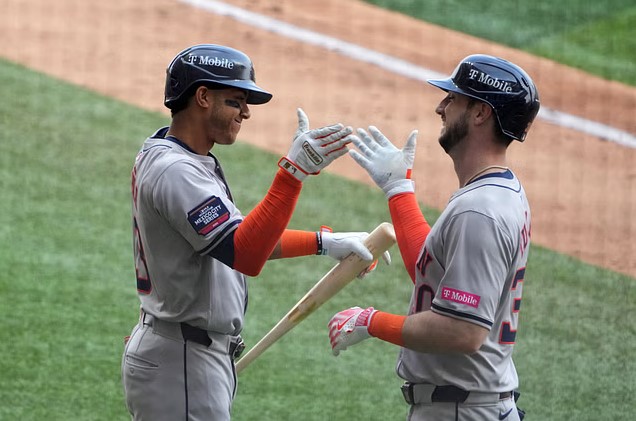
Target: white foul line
(396,65)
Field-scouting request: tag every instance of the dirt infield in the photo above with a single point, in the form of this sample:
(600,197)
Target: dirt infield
(582,189)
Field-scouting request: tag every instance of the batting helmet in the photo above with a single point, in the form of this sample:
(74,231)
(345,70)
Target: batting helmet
(504,86)
(212,64)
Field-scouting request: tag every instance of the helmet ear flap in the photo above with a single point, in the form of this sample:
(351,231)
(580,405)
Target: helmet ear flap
(174,83)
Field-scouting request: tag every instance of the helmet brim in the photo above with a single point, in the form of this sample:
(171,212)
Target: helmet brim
(255,94)
(258,97)
(448,85)
(444,84)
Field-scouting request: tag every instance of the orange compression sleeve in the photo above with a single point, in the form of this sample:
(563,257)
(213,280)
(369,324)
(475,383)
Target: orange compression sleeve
(258,234)
(387,327)
(295,243)
(411,228)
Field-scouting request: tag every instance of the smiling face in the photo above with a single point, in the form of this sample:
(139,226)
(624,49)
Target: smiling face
(227,111)
(453,110)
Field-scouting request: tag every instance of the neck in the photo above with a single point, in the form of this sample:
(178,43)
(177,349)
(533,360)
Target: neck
(473,166)
(477,156)
(189,132)
(485,170)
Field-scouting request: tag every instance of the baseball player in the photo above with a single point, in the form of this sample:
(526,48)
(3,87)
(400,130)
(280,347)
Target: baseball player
(468,269)
(193,247)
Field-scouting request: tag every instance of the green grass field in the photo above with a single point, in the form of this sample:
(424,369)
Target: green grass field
(597,37)
(67,289)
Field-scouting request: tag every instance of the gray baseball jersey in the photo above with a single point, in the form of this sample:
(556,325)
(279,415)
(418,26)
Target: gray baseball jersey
(471,268)
(182,210)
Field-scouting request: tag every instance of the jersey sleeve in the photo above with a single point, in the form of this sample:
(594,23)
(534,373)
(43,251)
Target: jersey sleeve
(196,205)
(478,253)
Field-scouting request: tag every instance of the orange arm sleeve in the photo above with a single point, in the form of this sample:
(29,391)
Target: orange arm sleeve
(411,228)
(295,243)
(258,234)
(387,327)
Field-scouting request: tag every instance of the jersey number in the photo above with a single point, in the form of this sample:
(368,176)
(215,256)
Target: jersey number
(141,268)
(508,332)
(425,294)
(425,297)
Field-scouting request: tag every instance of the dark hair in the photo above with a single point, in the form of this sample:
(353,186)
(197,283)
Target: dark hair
(182,103)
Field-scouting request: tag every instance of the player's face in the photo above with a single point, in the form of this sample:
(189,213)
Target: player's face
(454,113)
(229,109)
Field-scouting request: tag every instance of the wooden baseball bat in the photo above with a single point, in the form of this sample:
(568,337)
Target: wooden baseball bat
(378,241)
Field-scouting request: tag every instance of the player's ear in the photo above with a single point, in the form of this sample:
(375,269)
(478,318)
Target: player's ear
(482,112)
(202,96)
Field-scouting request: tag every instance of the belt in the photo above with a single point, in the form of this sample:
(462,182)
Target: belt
(233,345)
(417,393)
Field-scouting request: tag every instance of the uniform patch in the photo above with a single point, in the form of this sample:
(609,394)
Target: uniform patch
(208,215)
(461,297)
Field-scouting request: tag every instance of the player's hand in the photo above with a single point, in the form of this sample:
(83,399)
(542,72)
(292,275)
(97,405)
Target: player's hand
(342,244)
(313,150)
(389,167)
(349,327)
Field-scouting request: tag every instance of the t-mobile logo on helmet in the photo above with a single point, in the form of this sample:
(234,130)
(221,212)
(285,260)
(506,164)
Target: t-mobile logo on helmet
(486,79)
(210,61)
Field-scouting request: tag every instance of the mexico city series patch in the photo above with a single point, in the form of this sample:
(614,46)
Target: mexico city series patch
(208,215)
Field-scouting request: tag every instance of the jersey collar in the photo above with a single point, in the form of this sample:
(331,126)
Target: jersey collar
(507,174)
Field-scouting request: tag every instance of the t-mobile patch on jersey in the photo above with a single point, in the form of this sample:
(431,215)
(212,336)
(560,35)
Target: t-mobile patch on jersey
(208,215)
(461,297)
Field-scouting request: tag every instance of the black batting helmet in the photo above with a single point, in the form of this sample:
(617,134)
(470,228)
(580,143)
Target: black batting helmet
(212,64)
(504,86)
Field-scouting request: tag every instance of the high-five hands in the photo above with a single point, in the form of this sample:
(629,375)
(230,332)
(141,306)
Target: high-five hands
(389,167)
(349,327)
(313,150)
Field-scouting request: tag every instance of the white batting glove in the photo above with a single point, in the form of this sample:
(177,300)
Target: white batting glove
(342,244)
(313,150)
(349,327)
(389,167)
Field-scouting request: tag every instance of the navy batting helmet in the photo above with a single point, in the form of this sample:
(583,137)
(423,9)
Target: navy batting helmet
(212,64)
(504,86)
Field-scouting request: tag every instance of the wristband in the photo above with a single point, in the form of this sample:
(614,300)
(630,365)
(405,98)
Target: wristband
(397,187)
(319,242)
(323,228)
(387,327)
(292,168)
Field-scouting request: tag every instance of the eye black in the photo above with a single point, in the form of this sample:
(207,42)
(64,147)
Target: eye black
(232,103)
